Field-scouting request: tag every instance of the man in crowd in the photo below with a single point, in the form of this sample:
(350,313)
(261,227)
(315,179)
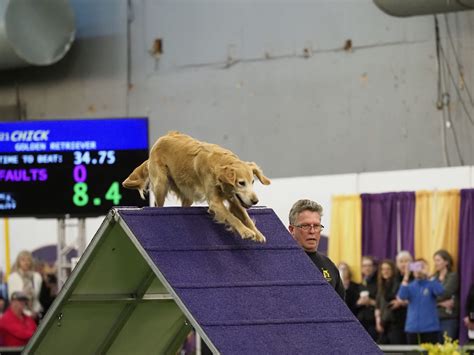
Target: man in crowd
(305,227)
(16,328)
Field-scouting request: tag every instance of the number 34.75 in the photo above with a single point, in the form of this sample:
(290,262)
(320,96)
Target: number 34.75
(103,157)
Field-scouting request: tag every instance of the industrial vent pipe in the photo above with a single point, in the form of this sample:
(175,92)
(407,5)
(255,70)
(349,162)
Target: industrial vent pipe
(404,8)
(34,32)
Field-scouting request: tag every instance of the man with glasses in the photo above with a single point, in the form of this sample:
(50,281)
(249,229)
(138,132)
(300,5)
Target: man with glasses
(305,227)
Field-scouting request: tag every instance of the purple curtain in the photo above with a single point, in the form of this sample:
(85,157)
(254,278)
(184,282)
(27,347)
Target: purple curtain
(466,248)
(385,218)
(407,202)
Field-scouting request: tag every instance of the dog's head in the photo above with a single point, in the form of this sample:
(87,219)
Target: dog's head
(237,180)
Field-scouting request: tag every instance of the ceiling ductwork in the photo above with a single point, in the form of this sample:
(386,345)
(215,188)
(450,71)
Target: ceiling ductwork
(405,8)
(34,32)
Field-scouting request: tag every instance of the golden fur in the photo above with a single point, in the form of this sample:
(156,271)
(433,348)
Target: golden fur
(197,171)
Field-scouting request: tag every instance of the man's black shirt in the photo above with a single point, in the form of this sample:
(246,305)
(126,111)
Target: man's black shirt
(329,271)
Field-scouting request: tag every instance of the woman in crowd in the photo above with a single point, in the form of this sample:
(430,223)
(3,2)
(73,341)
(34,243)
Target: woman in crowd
(399,306)
(368,291)
(24,279)
(448,302)
(403,260)
(352,288)
(389,321)
(49,287)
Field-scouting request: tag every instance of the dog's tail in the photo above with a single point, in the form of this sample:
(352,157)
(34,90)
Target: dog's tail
(138,179)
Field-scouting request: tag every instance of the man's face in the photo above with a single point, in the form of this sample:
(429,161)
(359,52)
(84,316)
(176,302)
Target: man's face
(308,240)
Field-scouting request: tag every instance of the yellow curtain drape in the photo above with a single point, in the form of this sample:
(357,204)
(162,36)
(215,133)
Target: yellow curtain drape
(6,234)
(437,223)
(345,240)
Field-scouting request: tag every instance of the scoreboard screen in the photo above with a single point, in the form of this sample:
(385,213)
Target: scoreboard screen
(72,167)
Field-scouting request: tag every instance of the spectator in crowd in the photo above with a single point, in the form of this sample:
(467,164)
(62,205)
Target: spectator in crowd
(388,321)
(189,345)
(16,328)
(469,318)
(25,279)
(3,293)
(305,227)
(3,286)
(368,291)
(351,288)
(403,260)
(2,309)
(448,302)
(49,286)
(397,305)
(3,299)
(2,305)
(422,324)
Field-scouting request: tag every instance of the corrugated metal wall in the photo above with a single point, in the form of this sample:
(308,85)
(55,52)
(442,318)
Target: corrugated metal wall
(301,87)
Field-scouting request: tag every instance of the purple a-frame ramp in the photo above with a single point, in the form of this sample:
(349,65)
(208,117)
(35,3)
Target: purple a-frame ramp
(244,297)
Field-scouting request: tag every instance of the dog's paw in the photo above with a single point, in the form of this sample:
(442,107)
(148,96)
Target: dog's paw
(260,238)
(247,233)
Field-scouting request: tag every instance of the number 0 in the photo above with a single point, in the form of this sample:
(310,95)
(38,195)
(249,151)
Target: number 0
(79,173)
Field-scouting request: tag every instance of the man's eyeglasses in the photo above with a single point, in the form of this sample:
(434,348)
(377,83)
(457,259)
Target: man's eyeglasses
(308,227)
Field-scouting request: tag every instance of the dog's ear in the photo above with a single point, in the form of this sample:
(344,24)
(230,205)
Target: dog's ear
(138,177)
(227,175)
(258,173)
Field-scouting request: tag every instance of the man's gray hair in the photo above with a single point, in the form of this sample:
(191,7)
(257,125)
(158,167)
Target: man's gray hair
(304,205)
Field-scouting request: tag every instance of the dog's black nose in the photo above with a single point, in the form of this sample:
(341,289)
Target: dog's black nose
(254,201)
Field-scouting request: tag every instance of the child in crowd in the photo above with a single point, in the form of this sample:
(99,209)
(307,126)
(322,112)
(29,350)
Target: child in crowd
(422,324)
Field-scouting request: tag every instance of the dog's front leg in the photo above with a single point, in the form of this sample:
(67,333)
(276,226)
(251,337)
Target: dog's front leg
(223,215)
(241,213)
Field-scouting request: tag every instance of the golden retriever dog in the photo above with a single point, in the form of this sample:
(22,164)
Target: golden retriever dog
(197,171)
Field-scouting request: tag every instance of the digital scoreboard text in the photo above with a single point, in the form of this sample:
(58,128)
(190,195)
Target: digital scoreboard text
(69,167)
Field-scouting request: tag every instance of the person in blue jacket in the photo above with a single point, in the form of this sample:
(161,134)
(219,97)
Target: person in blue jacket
(422,324)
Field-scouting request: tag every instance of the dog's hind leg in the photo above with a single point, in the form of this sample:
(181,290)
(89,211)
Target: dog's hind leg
(186,202)
(158,184)
(241,213)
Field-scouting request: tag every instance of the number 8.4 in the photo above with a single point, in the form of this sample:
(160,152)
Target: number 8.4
(81,198)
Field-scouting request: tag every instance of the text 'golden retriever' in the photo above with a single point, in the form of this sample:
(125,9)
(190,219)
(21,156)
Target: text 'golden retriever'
(197,171)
